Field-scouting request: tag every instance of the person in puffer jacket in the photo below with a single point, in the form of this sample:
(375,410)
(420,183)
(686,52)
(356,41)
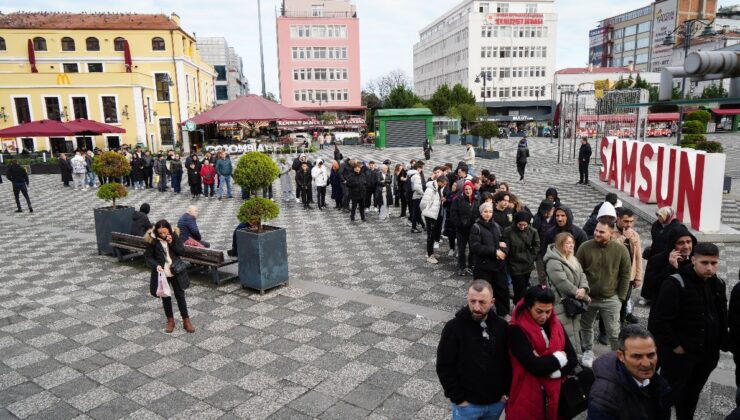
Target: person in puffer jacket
(431,206)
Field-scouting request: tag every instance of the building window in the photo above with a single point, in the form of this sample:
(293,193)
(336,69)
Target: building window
(92,44)
(110,109)
(53,112)
(221,72)
(629,45)
(502,8)
(79,107)
(39,44)
(2,44)
(162,82)
(28,144)
(22,110)
(157,44)
(68,44)
(532,8)
(165,131)
(94,67)
(630,30)
(317,11)
(483,7)
(641,58)
(118,44)
(222,93)
(643,27)
(643,43)
(70,67)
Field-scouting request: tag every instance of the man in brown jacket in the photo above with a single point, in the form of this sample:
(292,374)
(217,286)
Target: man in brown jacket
(625,234)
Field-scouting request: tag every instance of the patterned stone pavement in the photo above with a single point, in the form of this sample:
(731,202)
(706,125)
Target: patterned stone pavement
(81,338)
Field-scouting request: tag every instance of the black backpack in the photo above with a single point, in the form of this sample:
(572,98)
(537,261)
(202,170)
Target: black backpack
(408,190)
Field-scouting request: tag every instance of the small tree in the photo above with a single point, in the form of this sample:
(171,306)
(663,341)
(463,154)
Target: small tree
(699,115)
(327,118)
(487,130)
(255,171)
(111,165)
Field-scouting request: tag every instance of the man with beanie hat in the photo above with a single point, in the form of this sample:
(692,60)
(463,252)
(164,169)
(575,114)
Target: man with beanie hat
(523,243)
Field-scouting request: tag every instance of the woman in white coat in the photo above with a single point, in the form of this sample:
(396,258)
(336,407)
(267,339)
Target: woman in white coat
(430,206)
(320,176)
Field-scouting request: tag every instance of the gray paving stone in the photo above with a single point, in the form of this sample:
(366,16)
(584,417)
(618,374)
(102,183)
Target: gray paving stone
(313,403)
(368,396)
(343,410)
(32,404)
(399,407)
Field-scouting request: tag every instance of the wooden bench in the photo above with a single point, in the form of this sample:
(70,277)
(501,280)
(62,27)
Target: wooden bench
(210,258)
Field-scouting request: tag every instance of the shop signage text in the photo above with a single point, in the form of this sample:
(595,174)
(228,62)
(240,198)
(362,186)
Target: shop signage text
(515,18)
(243,148)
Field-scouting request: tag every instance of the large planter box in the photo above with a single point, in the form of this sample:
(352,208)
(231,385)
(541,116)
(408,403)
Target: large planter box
(486,154)
(45,169)
(351,141)
(263,258)
(109,220)
(453,139)
(727,184)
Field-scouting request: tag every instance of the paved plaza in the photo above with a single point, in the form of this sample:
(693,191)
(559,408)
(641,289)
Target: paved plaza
(354,335)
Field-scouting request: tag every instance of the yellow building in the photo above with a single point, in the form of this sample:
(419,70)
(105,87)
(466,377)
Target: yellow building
(65,66)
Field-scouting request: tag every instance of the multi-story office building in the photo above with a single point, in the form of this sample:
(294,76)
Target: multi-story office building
(140,72)
(230,80)
(319,57)
(636,37)
(503,51)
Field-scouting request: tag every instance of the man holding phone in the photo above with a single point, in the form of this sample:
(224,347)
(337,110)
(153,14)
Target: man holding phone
(667,263)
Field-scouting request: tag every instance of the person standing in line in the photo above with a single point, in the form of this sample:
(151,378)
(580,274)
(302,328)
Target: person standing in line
(160,169)
(543,221)
(608,269)
(461,215)
(502,213)
(89,174)
(286,186)
(489,252)
(321,179)
(522,153)
(384,192)
(631,239)
(568,280)
(399,180)
(304,184)
(473,363)
(176,173)
(431,205)
(357,189)
(541,357)
(164,249)
(733,342)
(689,322)
(523,244)
(584,156)
(208,175)
(194,180)
(335,180)
(78,170)
(19,178)
(416,177)
(337,154)
(149,169)
(346,169)
(469,158)
(224,169)
(66,167)
(137,172)
(664,264)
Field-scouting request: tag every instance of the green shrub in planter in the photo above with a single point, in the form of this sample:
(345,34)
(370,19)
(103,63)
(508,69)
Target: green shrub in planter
(111,164)
(693,127)
(452,131)
(710,146)
(699,115)
(688,145)
(112,191)
(693,138)
(255,171)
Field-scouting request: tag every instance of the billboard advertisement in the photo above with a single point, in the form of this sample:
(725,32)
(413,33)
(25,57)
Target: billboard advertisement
(664,22)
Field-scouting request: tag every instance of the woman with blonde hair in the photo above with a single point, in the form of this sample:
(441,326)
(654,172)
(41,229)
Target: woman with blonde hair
(568,280)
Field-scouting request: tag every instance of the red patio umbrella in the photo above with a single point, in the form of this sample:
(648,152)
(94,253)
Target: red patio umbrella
(127,56)
(32,56)
(43,128)
(82,126)
(249,108)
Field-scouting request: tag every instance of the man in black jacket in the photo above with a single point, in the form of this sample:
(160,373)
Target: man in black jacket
(584,155)
(626,384)
(19,178)
(689,322)
(666,263)
(473,364)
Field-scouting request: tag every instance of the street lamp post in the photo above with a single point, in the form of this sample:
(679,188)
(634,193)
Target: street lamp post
(687,32)
(485,76)
(170,83)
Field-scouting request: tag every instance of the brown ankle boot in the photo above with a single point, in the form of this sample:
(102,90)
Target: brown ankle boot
(170,325)
(188,325)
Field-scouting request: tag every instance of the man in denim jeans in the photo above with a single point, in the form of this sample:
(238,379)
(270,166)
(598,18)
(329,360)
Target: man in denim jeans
(473,362)
(224,171)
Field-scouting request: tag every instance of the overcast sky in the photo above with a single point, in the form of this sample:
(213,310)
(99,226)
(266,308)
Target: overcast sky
(388,28)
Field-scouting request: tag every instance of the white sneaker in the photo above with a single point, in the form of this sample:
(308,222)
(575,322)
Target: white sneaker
(297,200)
(588,359)
(432,260)
(451,253)
(436,245)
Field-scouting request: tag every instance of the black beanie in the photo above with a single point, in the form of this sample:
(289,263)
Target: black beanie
(522,216)
(144,208)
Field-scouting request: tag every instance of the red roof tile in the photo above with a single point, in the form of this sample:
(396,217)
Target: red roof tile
(53,20)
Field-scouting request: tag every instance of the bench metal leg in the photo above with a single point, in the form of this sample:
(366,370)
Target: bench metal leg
(214,275)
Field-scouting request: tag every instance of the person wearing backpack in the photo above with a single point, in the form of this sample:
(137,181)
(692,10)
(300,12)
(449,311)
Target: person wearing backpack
(79,169)
(689,322)
(208,173)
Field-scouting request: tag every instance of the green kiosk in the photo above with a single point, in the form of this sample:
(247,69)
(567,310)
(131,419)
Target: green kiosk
(406,127)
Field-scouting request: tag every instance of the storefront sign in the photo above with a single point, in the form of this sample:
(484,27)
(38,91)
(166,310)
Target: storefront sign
(515,18)
(243,148)
(685,179)
(664,22)
(313,121)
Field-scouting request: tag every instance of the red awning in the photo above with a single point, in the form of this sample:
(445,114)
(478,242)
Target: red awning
(607,118)
(718,111)
(662,116)
(82,126)
(127,56)
(249,108)
(32,56)
(43,128)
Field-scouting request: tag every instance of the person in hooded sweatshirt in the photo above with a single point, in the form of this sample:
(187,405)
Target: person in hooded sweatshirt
(563,223)
(661,230)
(522,154)
(590,224)
(552,195)
(461,215)
(542,222)
(141,221)
(524,245)
(664,264)
(489,252)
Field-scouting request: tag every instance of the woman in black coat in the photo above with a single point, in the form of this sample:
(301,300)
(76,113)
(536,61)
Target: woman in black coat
(165,249)
(357,189)
(66,167)
(137,171)
(489,253)
(461,217)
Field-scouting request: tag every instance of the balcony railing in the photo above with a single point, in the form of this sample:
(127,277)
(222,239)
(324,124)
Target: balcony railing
(286,13)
